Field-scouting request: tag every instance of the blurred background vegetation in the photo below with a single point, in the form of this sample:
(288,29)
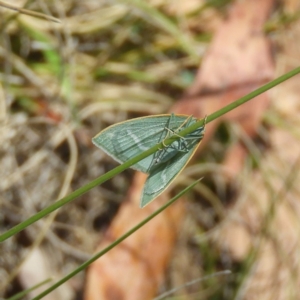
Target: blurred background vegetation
(60,84)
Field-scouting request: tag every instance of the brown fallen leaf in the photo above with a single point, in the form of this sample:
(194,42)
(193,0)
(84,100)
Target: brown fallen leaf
(135,268)
(237,62)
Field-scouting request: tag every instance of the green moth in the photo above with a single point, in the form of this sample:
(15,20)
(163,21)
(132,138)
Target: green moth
(127,139)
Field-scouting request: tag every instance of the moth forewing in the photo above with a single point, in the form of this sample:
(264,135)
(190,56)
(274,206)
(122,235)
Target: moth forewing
(164,174)
(127,139)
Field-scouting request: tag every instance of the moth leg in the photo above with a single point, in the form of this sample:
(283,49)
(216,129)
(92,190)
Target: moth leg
(168,135)
(174,132)
(157,158)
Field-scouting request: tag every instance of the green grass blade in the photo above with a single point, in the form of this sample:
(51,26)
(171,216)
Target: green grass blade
(27,291)
(143,155)
(112,245)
